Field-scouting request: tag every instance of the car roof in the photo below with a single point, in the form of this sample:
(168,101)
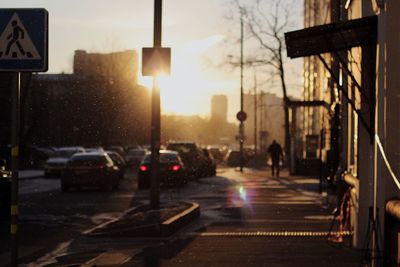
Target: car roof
(96,153)
(72,148)
(164,151)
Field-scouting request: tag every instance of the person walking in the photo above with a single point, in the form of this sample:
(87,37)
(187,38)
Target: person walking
(276,154)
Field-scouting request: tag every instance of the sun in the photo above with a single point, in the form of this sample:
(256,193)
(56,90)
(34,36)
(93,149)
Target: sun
(188,90)
(182,91)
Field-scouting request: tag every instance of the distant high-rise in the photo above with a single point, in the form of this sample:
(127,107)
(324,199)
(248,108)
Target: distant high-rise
(219,108)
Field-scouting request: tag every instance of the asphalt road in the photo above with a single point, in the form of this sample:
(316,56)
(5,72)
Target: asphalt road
(249,219)
(49,217)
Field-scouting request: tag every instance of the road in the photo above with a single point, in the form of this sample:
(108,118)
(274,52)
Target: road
(49,217)
(248,219)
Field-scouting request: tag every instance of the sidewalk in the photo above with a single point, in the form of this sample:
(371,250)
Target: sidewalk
(30,174)
(247,219)
(264,222)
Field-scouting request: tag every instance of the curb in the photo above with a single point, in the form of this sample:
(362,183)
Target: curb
(163,229)
(173,224)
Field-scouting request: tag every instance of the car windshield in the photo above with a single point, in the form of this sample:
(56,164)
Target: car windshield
(136,152)
(115,157)
(164,158)
(87,160)
(183,148)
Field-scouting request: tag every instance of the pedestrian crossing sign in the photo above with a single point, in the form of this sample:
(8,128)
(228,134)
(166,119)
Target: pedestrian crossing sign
(23,40)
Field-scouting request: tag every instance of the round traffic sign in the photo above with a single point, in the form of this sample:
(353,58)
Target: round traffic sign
(241,115)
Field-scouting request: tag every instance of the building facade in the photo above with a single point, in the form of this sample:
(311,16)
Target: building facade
(265,119)
(353,69)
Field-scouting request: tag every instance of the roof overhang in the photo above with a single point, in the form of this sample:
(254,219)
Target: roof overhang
(332,37)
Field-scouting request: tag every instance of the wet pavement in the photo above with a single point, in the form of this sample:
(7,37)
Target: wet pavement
(249,219)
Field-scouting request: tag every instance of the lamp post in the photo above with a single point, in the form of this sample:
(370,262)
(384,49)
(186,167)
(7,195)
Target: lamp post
(155,116)
(241,125)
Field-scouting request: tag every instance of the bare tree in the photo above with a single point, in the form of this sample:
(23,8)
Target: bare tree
(266,22)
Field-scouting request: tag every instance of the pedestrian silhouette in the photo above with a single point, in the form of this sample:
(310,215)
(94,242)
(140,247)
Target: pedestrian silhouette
(275,151)
(15,36)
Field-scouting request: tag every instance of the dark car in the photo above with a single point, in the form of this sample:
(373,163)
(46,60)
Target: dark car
(39,155)
(211,165)
(233,158)
(4,171)
(216,154)
(90,170)
(55,165)
(119,149)
(172,170)
(119,161)
(196,162)
(134,156)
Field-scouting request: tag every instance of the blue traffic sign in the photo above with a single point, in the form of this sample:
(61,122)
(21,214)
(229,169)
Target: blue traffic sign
(24,39)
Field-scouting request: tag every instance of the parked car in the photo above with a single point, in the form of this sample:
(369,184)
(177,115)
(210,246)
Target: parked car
(233,158)
(95,169)
(4,171)
(39,155)
(216,154)
(94,149)
(119,149)
(119,161)
(172,170)
(196,162)
(58,160)
(134,156)
(211,168)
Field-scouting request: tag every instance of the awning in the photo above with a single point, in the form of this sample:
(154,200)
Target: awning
(335,37)
(332,37)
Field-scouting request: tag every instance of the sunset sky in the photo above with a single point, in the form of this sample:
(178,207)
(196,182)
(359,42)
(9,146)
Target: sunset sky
(197,31)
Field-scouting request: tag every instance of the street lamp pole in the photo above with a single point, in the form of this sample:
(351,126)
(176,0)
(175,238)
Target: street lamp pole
(155,116)
(255,113)
(241,125)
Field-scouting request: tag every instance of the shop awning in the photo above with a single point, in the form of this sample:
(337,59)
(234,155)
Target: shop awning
(335,37)
(332,37)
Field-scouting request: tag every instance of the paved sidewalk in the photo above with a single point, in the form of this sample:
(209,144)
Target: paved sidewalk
(30,174)
(247,219)
(264,221)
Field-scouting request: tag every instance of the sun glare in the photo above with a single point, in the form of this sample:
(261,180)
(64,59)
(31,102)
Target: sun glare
(188,90)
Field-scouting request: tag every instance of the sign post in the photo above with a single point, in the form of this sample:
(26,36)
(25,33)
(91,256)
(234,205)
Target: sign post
(23,47)
(156,61)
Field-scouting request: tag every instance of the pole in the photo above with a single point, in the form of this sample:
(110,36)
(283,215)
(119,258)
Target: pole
(255,113)
(14,167)
(155,117)
(241,125)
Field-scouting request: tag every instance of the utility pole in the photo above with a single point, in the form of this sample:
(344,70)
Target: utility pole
(255,113)
(241,125)
(155,116)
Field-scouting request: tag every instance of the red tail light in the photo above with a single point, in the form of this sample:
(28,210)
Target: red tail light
(143,168)
(176,168)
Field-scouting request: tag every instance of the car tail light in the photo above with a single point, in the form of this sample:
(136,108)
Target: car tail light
(175,168)
(143,168)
